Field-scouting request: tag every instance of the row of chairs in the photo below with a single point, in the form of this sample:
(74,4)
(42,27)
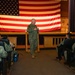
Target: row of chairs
(6,55)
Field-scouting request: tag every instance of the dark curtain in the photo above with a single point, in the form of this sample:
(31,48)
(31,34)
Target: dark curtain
(72,16)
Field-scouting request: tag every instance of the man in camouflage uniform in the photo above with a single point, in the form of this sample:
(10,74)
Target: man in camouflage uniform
(33,37)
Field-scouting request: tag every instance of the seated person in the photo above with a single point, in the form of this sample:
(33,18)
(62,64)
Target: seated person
(3,54)
(7,45)
(5,39)
(65,44)
(69,54)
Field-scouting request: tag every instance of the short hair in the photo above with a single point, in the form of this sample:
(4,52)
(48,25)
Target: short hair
(5,37)
(69,34)
(32,19)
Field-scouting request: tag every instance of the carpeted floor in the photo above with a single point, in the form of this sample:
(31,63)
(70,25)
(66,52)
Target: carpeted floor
(43,64)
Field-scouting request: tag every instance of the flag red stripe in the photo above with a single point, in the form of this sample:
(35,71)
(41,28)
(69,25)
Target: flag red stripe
(25,25)
(19,30)
(37,0)
(12,30)
(40,14)
(52,29)
(37,5)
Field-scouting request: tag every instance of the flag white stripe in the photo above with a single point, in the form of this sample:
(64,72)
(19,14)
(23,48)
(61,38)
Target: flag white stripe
(44,12)
(39,7)
(24,28)
(29,18)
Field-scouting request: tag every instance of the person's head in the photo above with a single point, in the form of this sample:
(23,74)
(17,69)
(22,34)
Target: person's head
(5,37)
(68,35)
(33,21)
(0,37)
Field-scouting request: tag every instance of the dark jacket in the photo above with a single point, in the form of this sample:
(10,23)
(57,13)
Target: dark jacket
(68,43)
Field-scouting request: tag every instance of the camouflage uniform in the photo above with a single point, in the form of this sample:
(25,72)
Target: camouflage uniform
(3,53)
(33,38)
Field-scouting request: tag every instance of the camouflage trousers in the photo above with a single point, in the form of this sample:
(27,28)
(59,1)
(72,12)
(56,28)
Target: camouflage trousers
(33,45)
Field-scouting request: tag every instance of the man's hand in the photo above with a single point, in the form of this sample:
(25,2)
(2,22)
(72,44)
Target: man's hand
(35,28)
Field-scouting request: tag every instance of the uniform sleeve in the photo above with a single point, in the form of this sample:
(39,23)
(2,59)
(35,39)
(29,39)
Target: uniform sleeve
(38,30)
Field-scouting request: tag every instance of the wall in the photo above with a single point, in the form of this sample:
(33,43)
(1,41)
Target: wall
(64,24)
(64,16)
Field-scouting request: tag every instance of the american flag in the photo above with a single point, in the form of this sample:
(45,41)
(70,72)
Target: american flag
(16,15)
